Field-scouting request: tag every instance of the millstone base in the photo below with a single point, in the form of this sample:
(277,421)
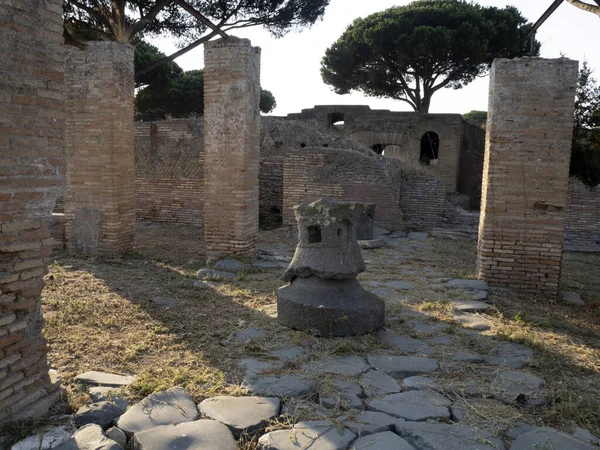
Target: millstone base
(329,307)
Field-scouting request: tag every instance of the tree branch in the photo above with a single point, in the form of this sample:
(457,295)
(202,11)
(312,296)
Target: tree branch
(152,13)
(594,9)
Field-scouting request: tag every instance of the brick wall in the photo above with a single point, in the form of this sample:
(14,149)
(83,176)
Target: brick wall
(231,147)
(526,170)
(169,168)
(100,202)
(422,201)
(313,173)
(31,178)
(582,221)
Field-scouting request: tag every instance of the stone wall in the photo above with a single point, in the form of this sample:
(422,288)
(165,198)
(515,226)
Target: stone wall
(31,178)
(231,147)
(100,198)
(315,172)
(582,221)
(169,169)
(398,133)
(526,171)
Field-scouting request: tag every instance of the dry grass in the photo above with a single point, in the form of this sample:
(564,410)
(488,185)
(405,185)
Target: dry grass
(99,315)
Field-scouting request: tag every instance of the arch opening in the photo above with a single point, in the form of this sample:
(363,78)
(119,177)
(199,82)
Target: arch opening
(430,146)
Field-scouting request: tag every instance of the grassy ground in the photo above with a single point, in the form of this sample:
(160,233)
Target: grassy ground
(99,315)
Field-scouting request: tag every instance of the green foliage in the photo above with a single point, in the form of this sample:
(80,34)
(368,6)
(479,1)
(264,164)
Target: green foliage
(585,154)
(182,96)
(146,54)
(409,52)
(475,117)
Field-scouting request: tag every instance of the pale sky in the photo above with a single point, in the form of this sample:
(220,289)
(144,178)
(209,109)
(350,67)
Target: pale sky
(290,65)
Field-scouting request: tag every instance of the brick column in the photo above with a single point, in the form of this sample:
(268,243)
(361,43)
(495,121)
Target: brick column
(526,173)
(31,178)
(100,200)
(232,147)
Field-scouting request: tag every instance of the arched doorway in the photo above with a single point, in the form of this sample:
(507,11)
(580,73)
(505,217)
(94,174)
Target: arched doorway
(430,146)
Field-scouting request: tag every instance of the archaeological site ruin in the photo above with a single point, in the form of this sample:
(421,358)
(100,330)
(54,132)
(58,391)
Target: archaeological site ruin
(198,282)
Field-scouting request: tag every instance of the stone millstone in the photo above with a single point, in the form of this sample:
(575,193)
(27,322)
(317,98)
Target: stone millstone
(330,307)
(197,435)
(241,413)
(162,408)
(318,435)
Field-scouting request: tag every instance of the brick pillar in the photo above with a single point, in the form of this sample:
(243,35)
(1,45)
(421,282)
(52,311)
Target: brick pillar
(31,178)
(232,147)
(100,199)
(526,173)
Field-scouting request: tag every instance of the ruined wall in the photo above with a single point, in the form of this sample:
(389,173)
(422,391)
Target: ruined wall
(471,163)
(100,199)
(31,178)
(401,132)
(582,221)
(232,147)
(169,169)
(313,173)
(526,171)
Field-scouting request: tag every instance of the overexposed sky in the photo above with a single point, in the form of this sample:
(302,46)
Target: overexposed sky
(290,65)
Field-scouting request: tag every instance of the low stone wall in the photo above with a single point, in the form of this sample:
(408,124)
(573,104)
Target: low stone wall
(422,201)
(344,175)
(582,219)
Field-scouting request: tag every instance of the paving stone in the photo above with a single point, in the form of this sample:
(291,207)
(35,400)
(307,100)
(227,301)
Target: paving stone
(385,440)
(379,231)
(466,306)
(248,334)
(346,365)
(518,429)
(584,435)
(343,395)
(289,353)
(511,386)
(201,434)
(205,284)
(441,339)
(117,435)
(480,295)
(548,439)
(473,321)
(376,383)
(281,386)
(103,393)
(368,422)
(45,439)
(420,382)
(314,435)
(428,328)
(174,405)
(256,367)
(104,379)
(474,285)
(400,285)
(231,265)
(378,242)
(440,436)
(467,357)
(406,344)
(456,413)
(397,235)
(572,298)
(413,405)
(509,354)
(89,437)
(101,413)
(403,366)
(164,301)
(418,236)
(241,413)
(271,265)
(212,275)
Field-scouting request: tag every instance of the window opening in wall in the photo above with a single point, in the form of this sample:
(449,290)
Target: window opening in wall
(336,120)
(314,234)
(379,148)
(430,146)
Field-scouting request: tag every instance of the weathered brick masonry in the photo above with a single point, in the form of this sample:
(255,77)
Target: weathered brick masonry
(526,170)
(314,173)
(169,169)
(232,147)
(31,178)
(100,199)
(582,221)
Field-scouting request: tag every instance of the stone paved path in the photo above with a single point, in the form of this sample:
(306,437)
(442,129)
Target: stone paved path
(410,391)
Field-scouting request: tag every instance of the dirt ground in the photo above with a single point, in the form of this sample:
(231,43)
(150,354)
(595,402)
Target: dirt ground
(100,315)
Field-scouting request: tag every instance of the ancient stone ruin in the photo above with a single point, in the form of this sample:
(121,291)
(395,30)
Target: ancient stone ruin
(323,293)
